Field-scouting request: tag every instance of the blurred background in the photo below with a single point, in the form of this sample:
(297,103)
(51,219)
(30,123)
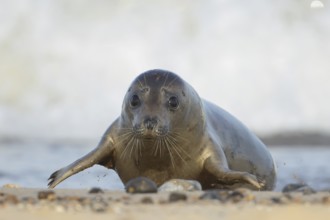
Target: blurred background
(65,67)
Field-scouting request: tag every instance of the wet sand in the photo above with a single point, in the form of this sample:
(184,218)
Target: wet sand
(98,204)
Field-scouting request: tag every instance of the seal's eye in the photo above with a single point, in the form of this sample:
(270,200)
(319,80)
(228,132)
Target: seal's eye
(135,101)
(173,102)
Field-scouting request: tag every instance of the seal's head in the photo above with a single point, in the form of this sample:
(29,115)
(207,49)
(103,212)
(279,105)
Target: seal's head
(160,104)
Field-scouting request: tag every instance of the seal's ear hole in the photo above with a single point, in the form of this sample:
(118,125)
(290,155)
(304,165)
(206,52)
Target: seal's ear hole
(135,101)
(173,102)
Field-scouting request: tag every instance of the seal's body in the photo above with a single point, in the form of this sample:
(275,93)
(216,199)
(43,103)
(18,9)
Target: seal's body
(166,131)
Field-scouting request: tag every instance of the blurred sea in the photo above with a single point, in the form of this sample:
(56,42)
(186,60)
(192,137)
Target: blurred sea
(29,165)
(65,65)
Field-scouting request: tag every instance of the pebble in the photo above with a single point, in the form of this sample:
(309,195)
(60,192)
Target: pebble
(235,196)
(295,198)
(29,200)
(84,201)
(176,185)
(95,190)
(213,195)
(47,195)
(12,199)
(147,200)
(70,198)
(280,200)
(141,185)
(11,186)
(98,205)
(326,200)
(240,194)
(175,196)
(297,187)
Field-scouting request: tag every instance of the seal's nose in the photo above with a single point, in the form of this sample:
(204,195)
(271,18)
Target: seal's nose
(150,123)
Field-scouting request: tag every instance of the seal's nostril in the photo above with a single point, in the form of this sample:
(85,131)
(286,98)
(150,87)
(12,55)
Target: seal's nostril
(150,123)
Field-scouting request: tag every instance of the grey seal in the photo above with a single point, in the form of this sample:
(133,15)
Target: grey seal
(166,131)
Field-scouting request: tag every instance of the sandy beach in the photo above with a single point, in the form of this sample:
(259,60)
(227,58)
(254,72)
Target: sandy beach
(18,203)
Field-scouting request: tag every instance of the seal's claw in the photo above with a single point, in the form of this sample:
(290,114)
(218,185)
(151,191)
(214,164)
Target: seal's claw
(253,180)
(261,181)
(58,176)
(52,179)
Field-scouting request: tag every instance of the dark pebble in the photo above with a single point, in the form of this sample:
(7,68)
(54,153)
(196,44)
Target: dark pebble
(141,185)
(47,195)
(213,195)
(240,194)
(174,197)
(95,190)
(276,200)
(296,187)
(147,200)
(235,196)
(292,187)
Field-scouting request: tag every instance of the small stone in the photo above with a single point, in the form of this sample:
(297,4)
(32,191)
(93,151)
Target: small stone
(75,205)
(47,195)
(95,190)
(235,196)
(29,200)
(276,200)
(98,205)
(84,201)
(213,195)
(174,197)
(141,185)
(176,185)
(326,200)
(70,198)
(240,194)
(307,190)
(297,187)
(292,187)
(293,197)
(12,199)
(147,200)
(11,186)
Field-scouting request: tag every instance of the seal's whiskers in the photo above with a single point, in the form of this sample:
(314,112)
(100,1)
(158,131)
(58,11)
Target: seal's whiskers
(168,148)
(128,137)
(175,148)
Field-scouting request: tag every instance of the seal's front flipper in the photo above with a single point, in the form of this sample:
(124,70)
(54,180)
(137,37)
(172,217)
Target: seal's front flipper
(228,177)
(101,155)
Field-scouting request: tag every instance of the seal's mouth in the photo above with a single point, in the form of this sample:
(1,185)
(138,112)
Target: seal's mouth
(150,134)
